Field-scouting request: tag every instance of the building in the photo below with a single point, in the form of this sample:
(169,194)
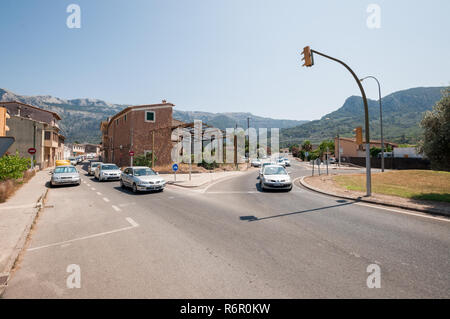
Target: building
(143,129)
(349,148)
(406,152)
(91,148)
(33,127)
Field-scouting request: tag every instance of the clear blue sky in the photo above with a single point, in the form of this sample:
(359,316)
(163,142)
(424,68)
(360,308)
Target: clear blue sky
(222,56)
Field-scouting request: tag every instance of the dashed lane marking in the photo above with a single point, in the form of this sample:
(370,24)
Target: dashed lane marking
(106,199)
(117,209)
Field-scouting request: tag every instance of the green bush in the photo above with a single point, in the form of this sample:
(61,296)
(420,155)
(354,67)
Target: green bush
(208,166)
(144,160)
(13,166)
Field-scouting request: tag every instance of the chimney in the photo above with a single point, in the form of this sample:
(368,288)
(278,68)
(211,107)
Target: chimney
(164,101)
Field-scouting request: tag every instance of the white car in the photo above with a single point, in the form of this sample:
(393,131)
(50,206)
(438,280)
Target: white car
(281,162)
(142,178)
(275,177)
(256,163)
(106,172)
(287,162)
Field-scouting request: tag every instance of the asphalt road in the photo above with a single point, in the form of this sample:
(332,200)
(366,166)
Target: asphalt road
(229,240)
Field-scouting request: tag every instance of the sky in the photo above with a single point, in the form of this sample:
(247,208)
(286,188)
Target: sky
(223,55)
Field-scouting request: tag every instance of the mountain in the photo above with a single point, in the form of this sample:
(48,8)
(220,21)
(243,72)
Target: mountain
(81,117)
(402,113)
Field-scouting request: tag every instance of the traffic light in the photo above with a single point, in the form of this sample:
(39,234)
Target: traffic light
(3,117)
(307,57)
(358,132)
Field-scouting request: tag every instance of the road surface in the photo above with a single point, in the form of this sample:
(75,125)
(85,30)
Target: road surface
(229,240)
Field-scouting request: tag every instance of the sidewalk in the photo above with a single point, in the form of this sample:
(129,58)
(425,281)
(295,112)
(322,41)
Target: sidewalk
(17,215)
(324,185)
(199,179)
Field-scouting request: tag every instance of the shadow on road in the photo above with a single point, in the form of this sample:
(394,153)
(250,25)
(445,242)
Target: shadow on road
(254,218)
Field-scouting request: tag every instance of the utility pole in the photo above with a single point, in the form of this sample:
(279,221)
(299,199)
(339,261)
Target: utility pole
(235,147)
(131,146)
(309,61)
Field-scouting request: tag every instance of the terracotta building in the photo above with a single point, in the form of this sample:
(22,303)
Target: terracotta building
(33,127)
(349,148)
(143,129)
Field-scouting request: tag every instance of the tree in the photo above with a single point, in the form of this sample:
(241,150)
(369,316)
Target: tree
(307,146)
(374,151)
(324,146)
(435,142)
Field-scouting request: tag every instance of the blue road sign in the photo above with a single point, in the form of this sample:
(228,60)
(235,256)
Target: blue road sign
(175,167)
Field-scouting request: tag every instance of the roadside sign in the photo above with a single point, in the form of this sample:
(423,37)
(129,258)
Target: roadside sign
(175,167)
(317,161)
(31,150)
(131,153)
(306,154)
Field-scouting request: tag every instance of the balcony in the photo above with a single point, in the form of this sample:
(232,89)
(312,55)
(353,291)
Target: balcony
(50,143)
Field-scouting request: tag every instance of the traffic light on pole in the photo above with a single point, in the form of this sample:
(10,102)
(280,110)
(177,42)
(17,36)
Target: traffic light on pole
(3,117)
(358,132)
(307,57)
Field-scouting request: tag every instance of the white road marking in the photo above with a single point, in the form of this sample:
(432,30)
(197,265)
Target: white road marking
(88,185)
(405,212)
(132,222)
(129,220)
(106,199)
(98,193)
(117,209)
(93,188)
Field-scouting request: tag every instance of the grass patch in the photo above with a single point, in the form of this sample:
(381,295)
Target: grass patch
(414,184)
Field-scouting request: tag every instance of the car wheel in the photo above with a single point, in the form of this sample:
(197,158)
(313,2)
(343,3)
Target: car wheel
(134,188)
(261,187)
(122,184)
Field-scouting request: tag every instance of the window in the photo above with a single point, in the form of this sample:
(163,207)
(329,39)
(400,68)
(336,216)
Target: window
(125,118)
(150,116)
(47,135)
(117,122)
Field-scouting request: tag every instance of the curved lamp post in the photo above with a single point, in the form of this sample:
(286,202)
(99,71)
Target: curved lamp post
(381,118)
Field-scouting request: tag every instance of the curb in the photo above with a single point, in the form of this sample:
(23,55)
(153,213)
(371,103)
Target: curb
(5,275)
(362,199)
(203,184)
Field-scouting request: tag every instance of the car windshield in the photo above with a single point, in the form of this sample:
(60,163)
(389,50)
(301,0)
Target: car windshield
(109,167)
(65,170)
(274,170)
(143,172)
(94,164)
(71,158)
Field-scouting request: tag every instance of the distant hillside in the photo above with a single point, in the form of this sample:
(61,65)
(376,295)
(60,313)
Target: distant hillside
(402,112)
(81,117)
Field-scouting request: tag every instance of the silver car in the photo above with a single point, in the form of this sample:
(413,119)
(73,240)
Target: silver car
(92,166)
(275,177)
(65,175)
(106,172)
(141,178)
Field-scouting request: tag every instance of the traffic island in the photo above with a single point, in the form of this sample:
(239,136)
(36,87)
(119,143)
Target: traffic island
(424,191)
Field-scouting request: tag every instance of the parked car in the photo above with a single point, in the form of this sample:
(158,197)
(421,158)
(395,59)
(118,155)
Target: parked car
(73,161)
(256,163)
(65,175)
(104,172)
(92,166)
(141,178)
(275,177)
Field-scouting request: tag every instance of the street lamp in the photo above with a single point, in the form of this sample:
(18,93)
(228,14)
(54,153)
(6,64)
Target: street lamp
(381,119)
